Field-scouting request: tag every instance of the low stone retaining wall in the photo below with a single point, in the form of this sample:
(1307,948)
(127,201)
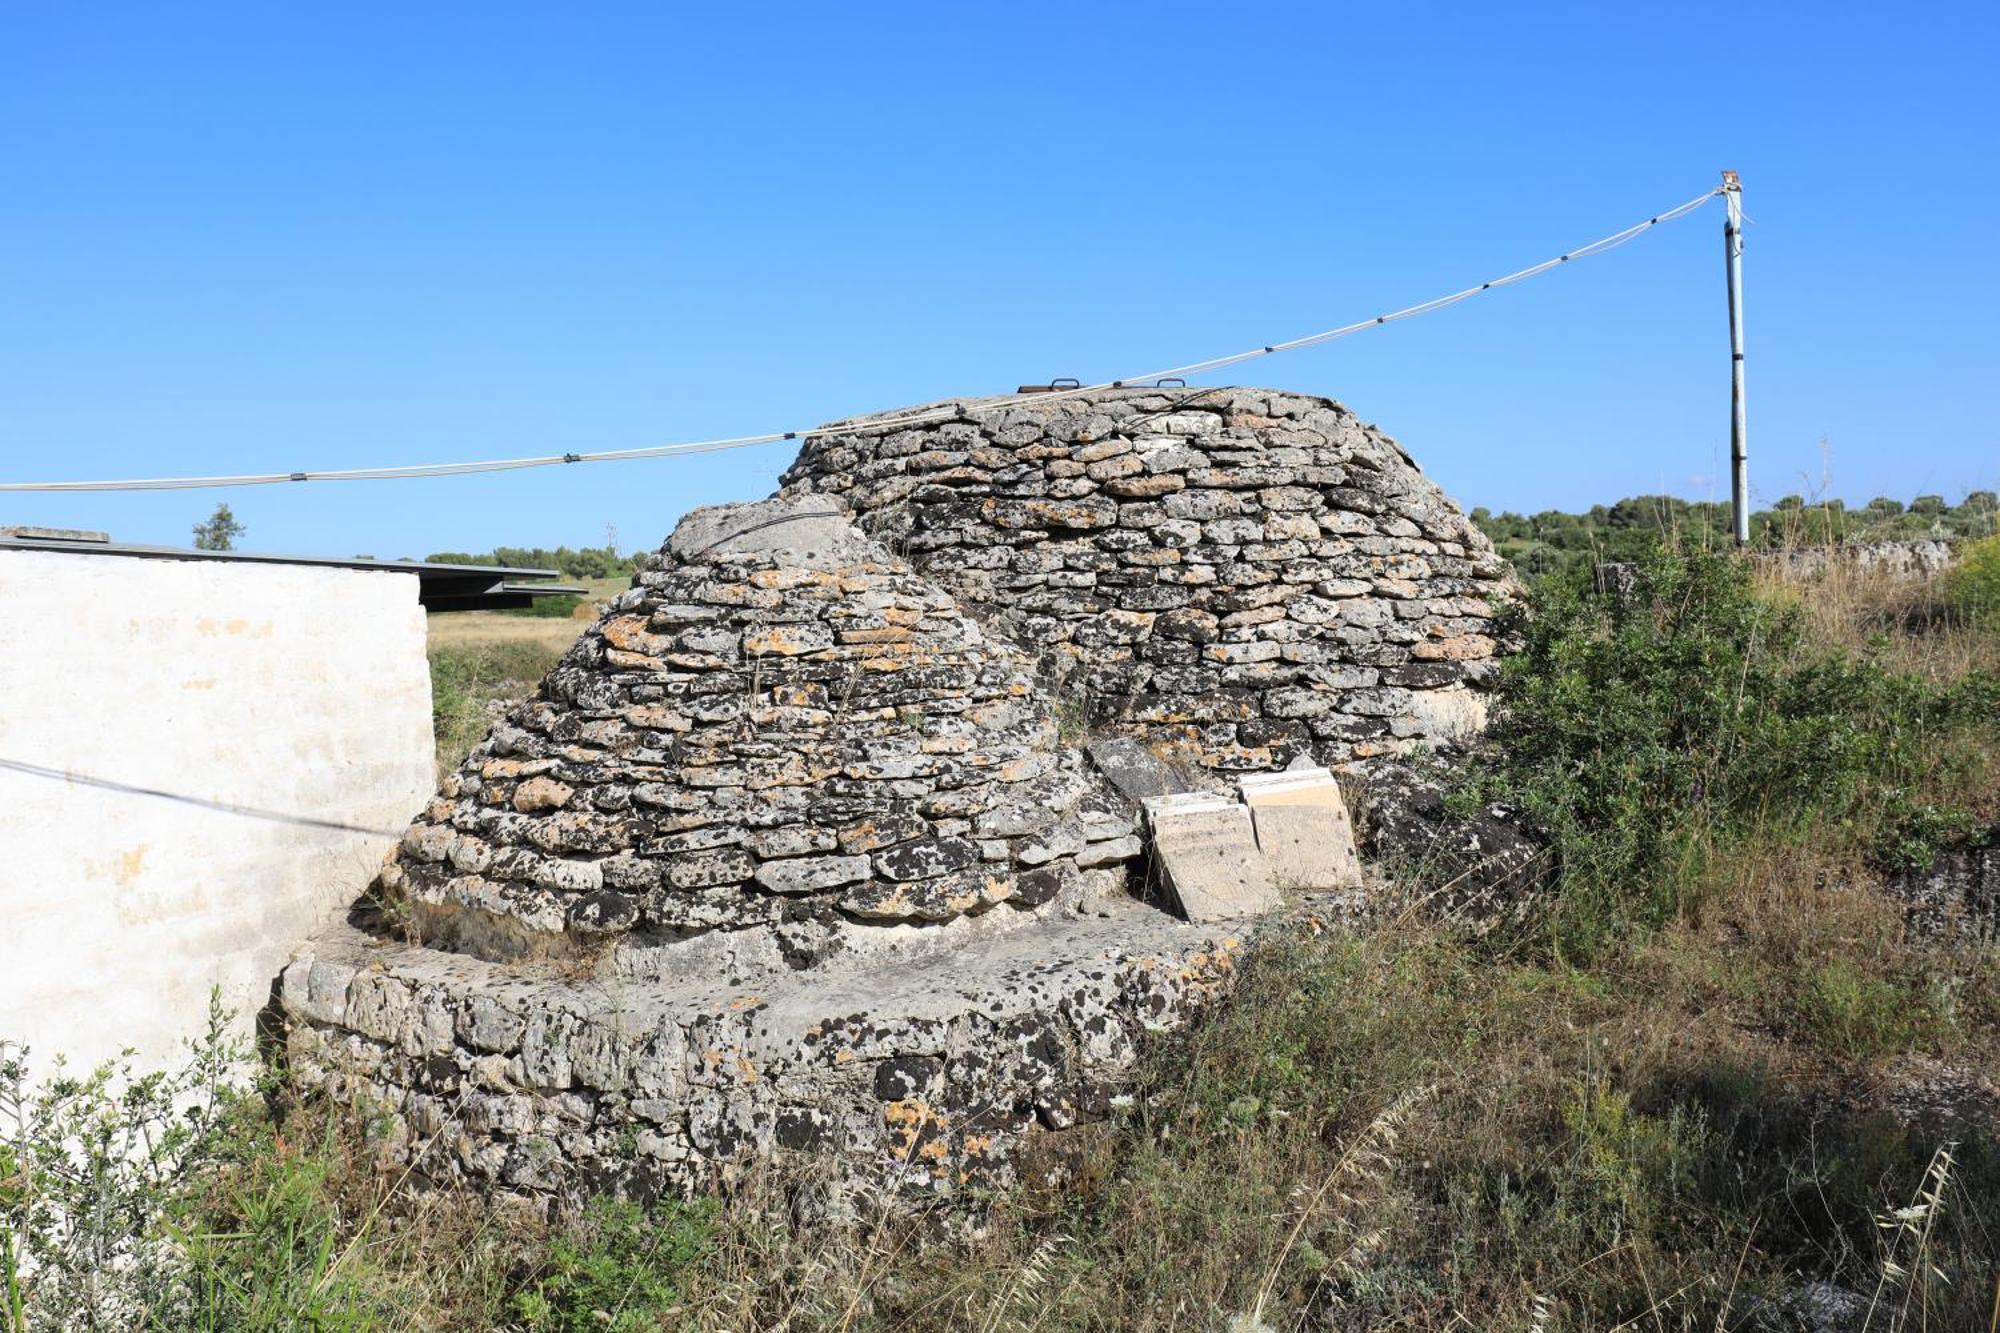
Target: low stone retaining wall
(919,1075)
(1899,560)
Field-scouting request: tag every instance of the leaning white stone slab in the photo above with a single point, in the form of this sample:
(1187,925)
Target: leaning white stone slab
(1302,828)
(1207,855)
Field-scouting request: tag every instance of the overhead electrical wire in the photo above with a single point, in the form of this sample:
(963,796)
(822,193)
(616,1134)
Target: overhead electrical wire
(873,425)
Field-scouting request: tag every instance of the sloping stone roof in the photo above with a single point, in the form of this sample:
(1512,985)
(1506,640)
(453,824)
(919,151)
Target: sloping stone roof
(779,726)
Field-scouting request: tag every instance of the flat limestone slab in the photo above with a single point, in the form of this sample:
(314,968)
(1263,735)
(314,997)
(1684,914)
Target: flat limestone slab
(1302,829)
(1207,853)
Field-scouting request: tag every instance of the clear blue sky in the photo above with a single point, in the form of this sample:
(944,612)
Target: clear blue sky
(266,237)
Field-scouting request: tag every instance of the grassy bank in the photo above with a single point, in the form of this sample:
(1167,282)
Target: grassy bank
(1711,1082)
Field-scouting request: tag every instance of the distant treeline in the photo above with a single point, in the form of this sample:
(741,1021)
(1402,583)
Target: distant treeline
(588,562)
(1553,540)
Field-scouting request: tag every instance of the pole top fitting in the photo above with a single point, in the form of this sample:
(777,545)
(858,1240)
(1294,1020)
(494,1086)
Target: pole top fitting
(1730,181)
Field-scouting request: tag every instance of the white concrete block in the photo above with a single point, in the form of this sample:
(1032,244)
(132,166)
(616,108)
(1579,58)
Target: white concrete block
(1207,855)
(1302,829)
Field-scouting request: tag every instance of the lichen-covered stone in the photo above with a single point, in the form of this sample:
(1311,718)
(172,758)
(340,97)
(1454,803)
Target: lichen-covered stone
(1212,571)
(923,1076)
(780,726)
(796,816)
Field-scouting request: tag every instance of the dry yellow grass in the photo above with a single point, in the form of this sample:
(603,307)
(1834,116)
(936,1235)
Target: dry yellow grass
(1908,621)
(466,628)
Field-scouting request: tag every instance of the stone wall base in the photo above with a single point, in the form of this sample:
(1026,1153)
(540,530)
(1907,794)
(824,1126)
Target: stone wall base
(919,1075)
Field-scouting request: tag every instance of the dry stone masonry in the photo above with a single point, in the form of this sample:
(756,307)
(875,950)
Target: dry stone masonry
(779,729)
(1239,576)
(795,855)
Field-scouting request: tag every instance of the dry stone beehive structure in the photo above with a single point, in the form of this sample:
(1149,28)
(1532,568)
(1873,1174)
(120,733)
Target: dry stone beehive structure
(1239,576)
(780,730)
(795,851)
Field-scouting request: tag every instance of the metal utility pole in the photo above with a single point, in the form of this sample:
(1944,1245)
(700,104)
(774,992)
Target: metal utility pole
(1739,447)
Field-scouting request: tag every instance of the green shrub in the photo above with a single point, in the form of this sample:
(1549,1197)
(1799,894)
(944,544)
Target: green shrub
(621,1270)
(1972,589)
(92,1171)
(1645,732)
(1843,1009)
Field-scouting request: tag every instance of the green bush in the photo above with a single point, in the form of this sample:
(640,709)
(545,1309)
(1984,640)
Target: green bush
(93,1170)
(1972,589)
(1646,731)
(619,1271)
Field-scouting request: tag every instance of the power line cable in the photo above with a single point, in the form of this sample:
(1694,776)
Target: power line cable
(873,425)
(225,807)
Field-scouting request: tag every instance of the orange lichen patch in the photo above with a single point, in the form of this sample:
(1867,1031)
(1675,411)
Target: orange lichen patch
(778,580)
(799,696)
(658,717)
(739,594)
(746,1002)
(897,904)
(1016,770)
(1459,649)
(631,661)
(843,1055)
(867,836)
(541,794)
(893,634)
(781,640)
(501,769)
(744,1069)
(630,634)
(996,888)
(897,615)
(916,1130)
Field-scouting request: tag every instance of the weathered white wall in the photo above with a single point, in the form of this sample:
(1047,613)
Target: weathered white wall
(293,689)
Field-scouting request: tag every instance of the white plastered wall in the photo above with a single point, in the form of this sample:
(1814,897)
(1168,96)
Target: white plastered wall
(296,690)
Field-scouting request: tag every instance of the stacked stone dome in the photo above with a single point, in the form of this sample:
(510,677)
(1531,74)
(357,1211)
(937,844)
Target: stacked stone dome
(1240,576)
(823,872)
(778,728)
